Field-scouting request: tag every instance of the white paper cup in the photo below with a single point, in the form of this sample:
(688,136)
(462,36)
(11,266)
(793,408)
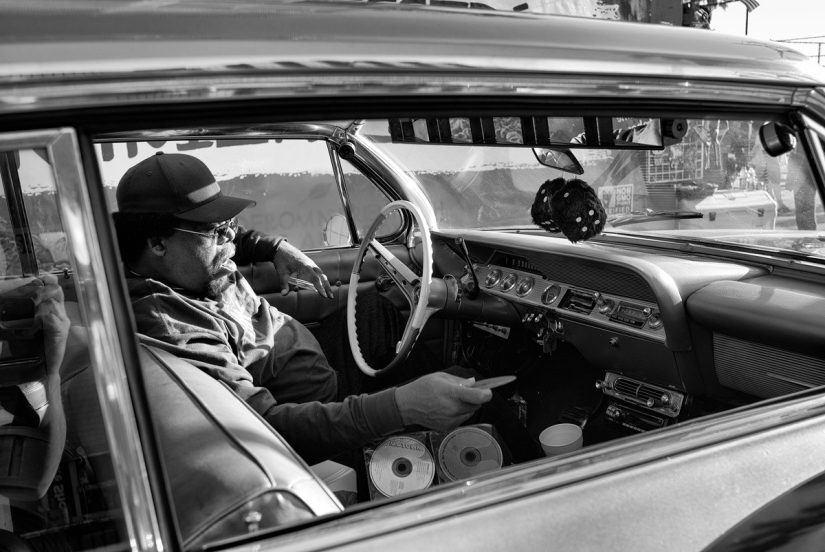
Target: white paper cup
(561,438)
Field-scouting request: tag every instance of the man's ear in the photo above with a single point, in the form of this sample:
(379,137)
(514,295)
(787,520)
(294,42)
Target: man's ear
(157,246)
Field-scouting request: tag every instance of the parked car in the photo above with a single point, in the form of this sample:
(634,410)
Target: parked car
(684,339)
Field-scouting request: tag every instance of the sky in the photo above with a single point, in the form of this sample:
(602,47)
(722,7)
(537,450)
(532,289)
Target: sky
(776,20)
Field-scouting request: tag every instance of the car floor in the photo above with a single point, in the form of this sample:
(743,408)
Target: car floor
(558,387)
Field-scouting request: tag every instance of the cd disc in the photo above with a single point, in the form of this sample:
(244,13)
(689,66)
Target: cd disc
(401,465)
(468,452)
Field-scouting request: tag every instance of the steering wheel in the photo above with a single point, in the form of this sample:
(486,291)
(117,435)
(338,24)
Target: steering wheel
(416,289)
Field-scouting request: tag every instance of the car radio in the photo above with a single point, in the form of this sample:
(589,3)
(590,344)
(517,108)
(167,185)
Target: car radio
(627,417)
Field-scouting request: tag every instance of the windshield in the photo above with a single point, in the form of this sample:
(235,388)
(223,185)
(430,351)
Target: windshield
(715,184)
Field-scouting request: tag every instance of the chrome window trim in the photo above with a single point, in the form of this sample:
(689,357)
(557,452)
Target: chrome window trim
(20,97)
(815,100)
(96,307)
(338,172)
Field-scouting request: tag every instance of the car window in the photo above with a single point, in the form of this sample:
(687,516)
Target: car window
(366,201)
(292,181)
(58,488)
(717,183)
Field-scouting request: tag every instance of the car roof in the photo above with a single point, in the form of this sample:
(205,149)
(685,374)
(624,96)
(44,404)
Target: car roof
(144,33)
(47,42)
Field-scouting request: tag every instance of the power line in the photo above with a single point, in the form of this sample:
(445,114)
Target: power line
(800,39)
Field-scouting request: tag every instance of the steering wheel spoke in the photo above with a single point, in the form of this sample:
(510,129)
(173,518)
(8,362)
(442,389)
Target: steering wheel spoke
(404,278)
(415,288)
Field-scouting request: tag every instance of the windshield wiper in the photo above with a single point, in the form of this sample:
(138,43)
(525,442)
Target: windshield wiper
(649,215)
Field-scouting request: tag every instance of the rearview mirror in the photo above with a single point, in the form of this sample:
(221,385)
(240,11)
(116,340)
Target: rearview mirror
(561,159)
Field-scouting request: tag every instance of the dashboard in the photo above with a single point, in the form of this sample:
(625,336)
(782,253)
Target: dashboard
(589,305)
(626,309)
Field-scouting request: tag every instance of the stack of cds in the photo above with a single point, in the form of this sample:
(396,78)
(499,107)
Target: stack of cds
(407,463)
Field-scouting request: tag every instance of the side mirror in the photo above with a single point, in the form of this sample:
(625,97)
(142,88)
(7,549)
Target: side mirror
(561,159)
(336,231)
(777,138)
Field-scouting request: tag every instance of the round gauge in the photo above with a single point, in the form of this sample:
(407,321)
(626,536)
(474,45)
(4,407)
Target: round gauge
(493,278)
(550,294)
(508,283)
(606,306)
(525,286)
(655,321)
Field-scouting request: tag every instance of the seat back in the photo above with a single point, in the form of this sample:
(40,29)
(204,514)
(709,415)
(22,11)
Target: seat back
(227,468)
(228,471)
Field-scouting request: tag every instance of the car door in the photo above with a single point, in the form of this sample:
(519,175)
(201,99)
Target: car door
(74,470)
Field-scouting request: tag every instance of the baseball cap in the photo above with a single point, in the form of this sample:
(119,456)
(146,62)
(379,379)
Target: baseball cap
(176,184)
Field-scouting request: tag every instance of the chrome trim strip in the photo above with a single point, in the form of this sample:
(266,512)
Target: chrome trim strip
(104,348)
(790,380)
(815,100)
(815,126)
(338,173)
(391,172)
(171,87)
(307,131)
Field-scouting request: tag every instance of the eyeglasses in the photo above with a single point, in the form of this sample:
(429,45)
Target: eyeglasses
(219,233)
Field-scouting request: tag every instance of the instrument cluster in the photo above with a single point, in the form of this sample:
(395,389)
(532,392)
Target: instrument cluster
(629,315)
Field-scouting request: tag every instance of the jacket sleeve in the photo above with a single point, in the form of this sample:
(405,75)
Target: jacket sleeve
(317,431)
(253,247)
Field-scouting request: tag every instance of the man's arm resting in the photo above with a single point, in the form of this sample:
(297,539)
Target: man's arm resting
(251,246)
(320,431)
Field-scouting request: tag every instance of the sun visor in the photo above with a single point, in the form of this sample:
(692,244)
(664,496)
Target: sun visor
(635,133)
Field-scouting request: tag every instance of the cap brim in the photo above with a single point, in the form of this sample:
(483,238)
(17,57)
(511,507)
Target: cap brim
(218,210)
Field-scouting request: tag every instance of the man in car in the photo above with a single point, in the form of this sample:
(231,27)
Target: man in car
(179,242)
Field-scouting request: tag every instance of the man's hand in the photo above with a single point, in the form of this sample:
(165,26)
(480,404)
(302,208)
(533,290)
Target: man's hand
(290,261)
(56,323)
(439,401)
(51,314)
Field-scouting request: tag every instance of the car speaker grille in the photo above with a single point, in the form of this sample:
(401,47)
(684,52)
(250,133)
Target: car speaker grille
(764,371)
(592,276)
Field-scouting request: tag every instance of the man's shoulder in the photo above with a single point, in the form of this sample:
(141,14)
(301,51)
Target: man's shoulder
(140,288)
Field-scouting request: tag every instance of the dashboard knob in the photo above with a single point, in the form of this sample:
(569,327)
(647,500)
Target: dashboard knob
(614,342)
(647,311)
(606,306)
(602,384)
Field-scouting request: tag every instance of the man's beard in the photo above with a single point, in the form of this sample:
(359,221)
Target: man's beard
(214,289)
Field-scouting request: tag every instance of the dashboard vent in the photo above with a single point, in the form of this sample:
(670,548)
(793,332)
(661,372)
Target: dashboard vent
(636,390)
(626,387)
